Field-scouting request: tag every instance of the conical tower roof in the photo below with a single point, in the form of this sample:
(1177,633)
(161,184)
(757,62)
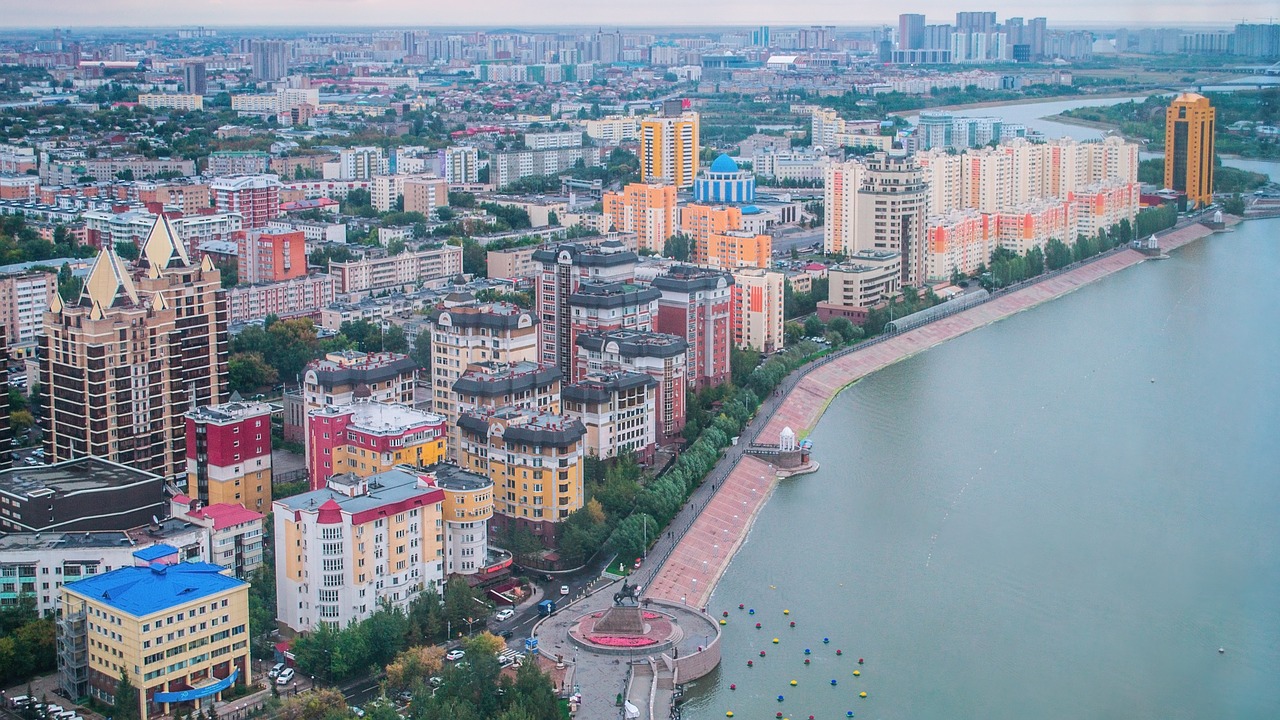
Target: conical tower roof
(163,248)
(109,284)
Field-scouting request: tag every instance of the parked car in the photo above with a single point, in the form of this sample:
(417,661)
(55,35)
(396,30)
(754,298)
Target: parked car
(454,655)
(564,589)
(355,710)
(504,614)
(285,676)
(275,670)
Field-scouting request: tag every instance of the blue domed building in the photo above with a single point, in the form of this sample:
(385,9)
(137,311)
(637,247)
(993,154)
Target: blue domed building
(723,182)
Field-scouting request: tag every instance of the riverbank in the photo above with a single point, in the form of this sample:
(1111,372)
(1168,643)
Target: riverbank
(694,566)
(1141,94)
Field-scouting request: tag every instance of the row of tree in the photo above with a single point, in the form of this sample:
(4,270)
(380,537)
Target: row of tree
(27,642)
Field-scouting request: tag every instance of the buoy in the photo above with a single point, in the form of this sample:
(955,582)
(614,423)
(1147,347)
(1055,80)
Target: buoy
(786,612)
(751,663)
(862,694)
(728,713)
(740,606)
(761,653)
(775,641)
(757,626)
(833,681)
(793,623)
(794,683)
(1222,651)
(725,614)
(826,641)
(779,698)
(779,714)
(752,611)
(723,621)
(860,661)
(848,713)
(806,651)
(839,652)
(806,661)
(857,673)
(733,687)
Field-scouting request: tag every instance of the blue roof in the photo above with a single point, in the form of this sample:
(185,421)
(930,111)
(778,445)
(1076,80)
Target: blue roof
(145,590)
(751,210)
(724,164)
(155,552)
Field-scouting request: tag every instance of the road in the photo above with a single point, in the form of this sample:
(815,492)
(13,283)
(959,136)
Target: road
(782,243)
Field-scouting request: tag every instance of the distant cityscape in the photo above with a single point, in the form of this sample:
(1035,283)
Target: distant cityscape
(300,330)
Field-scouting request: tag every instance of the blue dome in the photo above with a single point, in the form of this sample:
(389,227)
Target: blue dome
(724,164)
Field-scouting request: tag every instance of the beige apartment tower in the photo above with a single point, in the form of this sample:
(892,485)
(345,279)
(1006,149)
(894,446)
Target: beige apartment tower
(123,362)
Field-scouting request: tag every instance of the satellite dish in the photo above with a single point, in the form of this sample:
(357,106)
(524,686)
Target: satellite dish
(155,520)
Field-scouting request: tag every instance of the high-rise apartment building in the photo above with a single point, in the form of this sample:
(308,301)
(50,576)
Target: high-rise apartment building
(661,356)
(256,198)
(355,543)
(758,309)
(195,78)
(602,307)
(697,304)
(669,146)
(270,59)
(534,460)
(24,297)
(365,438)
(648,210)
(910,31)
(425,193)
(619,412)
(362,163)
(564,268)
(463,335)
(1188,147)
(841,181)
(229,454)
(122,362)
(890,216)
(460,164)
(491,384)
(266,257)
(178,631)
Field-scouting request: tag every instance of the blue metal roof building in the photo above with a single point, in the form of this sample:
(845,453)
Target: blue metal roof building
(145,590)
(725,182)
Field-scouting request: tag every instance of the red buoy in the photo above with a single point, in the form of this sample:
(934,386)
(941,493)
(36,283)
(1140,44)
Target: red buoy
(761,653)
(740,606)
(860,661)
(750,664)
(793,623)
(839,653)
(733,687)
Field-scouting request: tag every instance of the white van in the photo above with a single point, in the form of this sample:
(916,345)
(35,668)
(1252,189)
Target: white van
(18,701)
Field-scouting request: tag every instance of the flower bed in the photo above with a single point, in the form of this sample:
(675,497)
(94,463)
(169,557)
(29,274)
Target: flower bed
(617,641)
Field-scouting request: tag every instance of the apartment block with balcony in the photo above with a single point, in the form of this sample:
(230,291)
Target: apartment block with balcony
(229,455)
(619,411)
(364,438)
(234,533)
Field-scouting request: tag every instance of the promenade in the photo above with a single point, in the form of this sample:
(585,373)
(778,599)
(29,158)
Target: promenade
(704,536)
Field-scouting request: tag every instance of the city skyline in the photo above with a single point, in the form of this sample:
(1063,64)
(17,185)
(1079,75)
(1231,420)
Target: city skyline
(664,13)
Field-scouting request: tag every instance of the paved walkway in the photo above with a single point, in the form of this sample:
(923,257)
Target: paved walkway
(688,561)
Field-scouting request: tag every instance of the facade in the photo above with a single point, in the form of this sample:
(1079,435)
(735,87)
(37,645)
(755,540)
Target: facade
(24,297)
(85,494)
(365,438)
(105,228)
(1034,224)
(460,164)
(38,564)
(512,263)
(697,304)
(890,215)
(699,222)
(269,58)
(123,361)
(189,198)
(648,210)
(234,533)
(866,279)
(619,412)
(563,269)
(534,460)
(758,311)
(175,101)
(238,162)
(268,257)
(613,129)
(425,193)
(841,181)
(361,163)
(256,198)
(406,271)
(723,182)
(355,543)
(466,510)
(485,385)
(1189,142)
(343,377)
(475,333)
(291,298)
(179,631)
(601,307)
(960,241)
(669,146)
(507,167)
(552,140)
(229,455)
(738,248)
(661,356)
(1100,206)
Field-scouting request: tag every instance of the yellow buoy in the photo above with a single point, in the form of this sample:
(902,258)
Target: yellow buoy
(862,694)
(857,673)
(786,612)
(723,621)
(793,683)
(775,641)
(729,714)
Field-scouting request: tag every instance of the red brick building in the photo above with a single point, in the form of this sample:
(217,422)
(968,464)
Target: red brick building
(270,257)
(229,455)
(697,305)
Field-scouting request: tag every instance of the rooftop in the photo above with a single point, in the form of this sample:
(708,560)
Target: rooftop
(452,477)
(614,294)
(146,590)
(600,387)
(690,278)
(70,477)
(223,515)
(229,412)
(394,486)
(498,378)
(533,427)
(168,528)
(634,343)
(378,417)
(497,315)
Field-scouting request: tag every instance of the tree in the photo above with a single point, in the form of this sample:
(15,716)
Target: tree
(843,327)
(126,250)
(126,700)
(1056,254)
(20,421)
(68,284)
(677,247)
(632,536)
(813,326)
(1233,205)
(460,604)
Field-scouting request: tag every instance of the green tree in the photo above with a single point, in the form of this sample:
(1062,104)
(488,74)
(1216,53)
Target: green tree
(126,700)
(1233,205)
(127,250)
(677,247)
(1056,254)
(813,326)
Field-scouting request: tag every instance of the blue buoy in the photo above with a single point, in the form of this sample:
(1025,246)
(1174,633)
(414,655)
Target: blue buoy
(833,682)
(752,611)
(779,698)
(826,640)
(806,651)
(848,713)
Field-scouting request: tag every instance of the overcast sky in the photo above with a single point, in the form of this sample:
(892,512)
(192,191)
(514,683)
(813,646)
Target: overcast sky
(506,13)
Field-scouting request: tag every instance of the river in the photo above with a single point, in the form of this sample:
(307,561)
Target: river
(1064,514)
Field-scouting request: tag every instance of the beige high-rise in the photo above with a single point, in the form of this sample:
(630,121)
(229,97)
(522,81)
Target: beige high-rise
(138,348)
